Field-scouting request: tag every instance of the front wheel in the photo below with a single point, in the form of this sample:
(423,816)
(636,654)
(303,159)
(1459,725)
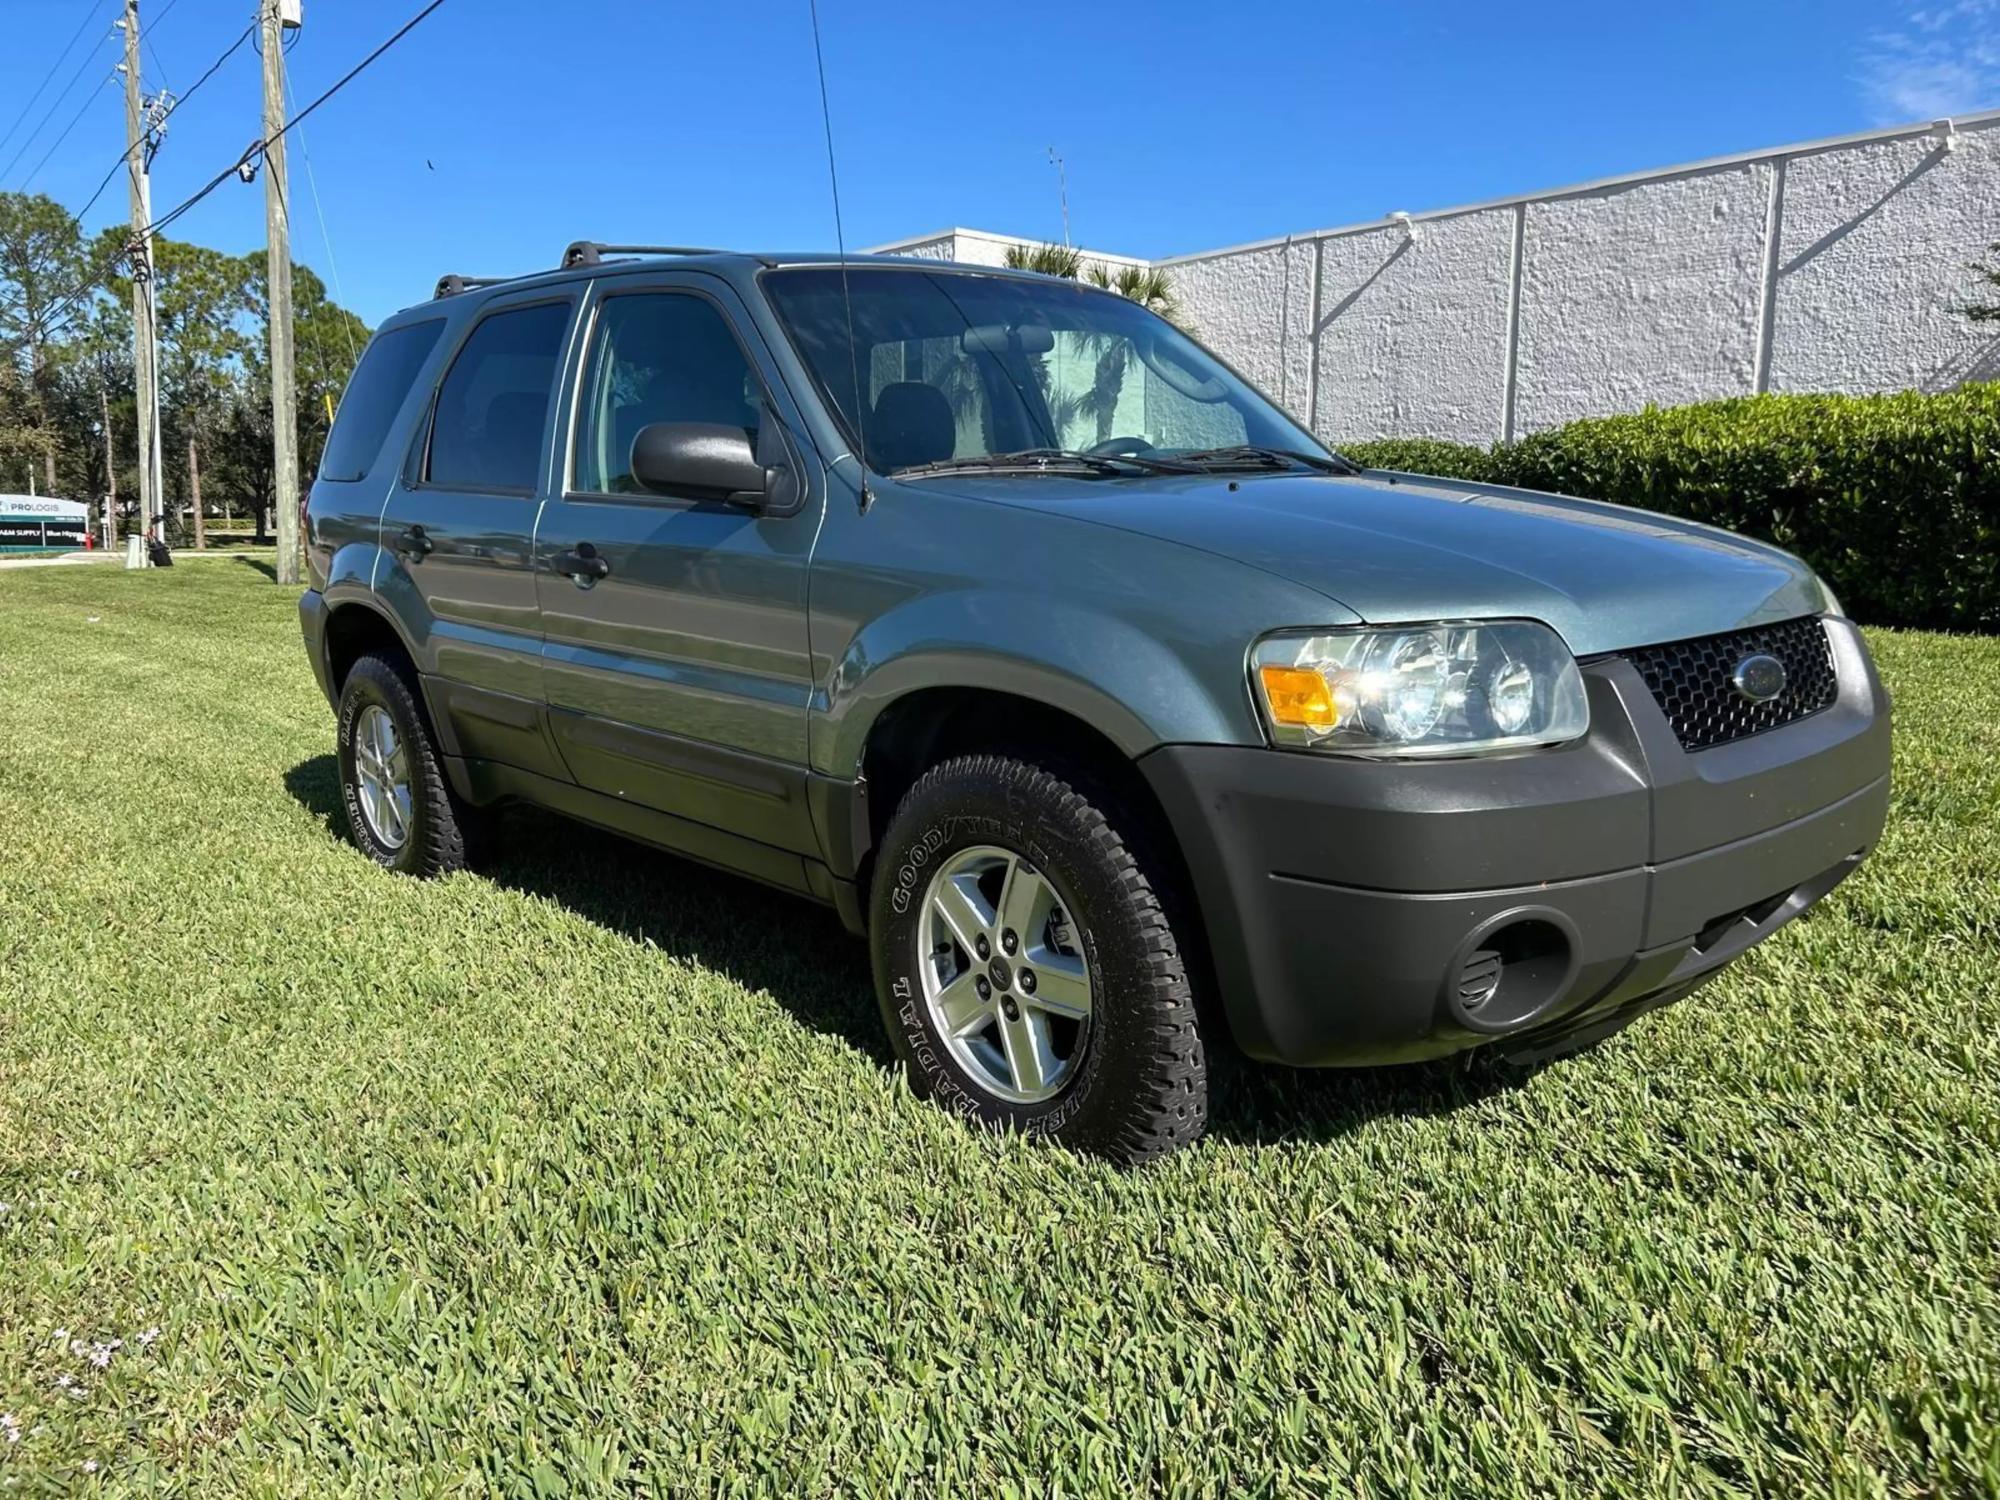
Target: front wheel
(1027,971)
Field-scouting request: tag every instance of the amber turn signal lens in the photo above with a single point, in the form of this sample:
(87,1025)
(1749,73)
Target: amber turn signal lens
(1298,695)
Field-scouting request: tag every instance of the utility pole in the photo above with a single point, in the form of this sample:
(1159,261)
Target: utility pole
(146,376)
(278,238)
(110,464)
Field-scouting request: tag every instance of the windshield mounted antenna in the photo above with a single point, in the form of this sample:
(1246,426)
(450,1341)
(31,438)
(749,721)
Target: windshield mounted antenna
(846,295)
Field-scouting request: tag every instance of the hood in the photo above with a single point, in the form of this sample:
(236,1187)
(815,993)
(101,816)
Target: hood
(1605,577)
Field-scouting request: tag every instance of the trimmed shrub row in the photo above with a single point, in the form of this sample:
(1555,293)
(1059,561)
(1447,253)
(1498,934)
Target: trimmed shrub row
(1895,499)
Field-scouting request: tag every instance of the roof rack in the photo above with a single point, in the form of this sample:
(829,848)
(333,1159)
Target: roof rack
(590,252)
(451,286)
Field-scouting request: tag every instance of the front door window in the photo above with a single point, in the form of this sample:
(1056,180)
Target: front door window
(657,357)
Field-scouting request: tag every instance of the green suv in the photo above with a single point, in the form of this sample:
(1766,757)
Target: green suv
(1120,716)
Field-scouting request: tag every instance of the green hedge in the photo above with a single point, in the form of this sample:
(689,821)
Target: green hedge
(1895,500)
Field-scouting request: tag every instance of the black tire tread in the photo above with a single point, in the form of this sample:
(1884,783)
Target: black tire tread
(443,838)
(1165,1096)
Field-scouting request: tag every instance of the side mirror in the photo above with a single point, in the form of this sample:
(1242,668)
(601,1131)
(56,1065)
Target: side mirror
(701,460)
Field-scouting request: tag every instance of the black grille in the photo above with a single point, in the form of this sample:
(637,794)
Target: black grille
(1691,681)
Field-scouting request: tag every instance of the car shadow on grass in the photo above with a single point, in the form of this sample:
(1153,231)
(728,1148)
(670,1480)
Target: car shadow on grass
(800,954)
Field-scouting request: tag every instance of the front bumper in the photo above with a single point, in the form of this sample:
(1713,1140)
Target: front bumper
(1365,911)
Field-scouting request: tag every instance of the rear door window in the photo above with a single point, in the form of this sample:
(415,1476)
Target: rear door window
(374,395)
(493,408)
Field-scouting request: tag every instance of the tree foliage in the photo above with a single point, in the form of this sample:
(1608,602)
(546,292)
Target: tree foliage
(1894,499)
(1148,286)
(1987,311)
(66,365)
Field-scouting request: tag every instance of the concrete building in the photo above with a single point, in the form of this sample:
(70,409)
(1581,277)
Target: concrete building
(1834,265)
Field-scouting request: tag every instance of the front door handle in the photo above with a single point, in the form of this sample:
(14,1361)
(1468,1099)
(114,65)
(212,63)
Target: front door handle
(414,542)
(583,564)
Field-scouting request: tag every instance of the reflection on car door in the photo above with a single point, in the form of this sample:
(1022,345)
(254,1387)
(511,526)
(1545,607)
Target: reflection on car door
(675,655)
(461,519)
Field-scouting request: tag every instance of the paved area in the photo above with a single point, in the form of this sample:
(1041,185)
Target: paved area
(101,556)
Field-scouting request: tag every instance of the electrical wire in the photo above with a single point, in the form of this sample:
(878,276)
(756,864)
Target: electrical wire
(42,124)
(75,119)
(326,239)
(250,152)
(158,67)
(227,53)
(312,328)
(90,8)
(193,88)
(257,148)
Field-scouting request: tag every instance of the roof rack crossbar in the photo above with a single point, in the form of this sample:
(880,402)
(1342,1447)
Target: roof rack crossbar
(451,286)
(590,252)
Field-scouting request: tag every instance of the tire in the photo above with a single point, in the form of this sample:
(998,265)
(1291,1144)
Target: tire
(1129,1079)
(435,825)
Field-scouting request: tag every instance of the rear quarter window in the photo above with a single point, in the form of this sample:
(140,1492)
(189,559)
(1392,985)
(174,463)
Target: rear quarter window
(374,395)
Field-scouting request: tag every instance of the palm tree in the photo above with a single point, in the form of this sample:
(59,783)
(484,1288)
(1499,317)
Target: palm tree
(1150,287)
(1050,260)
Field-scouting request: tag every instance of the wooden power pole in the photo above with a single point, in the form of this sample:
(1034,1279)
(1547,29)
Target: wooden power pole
(278,237)
(144,372)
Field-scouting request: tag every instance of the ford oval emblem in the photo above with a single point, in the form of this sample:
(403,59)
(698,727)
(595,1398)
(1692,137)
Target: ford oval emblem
(1760,678)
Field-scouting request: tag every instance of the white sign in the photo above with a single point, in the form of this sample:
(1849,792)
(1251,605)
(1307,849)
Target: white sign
(42,508)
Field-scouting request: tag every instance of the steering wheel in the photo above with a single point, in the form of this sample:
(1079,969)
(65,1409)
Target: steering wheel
(1120,447)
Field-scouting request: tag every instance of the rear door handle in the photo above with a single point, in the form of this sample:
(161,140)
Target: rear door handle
(583,564)
(414,542)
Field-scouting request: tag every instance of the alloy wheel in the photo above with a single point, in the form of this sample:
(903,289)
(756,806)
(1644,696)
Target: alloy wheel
(382,776)
(1004,973)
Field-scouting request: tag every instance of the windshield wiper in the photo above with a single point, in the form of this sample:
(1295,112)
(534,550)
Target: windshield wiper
(1250,455)
(1046,461)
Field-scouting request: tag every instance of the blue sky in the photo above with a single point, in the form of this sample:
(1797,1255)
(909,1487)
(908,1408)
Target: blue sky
(501,129)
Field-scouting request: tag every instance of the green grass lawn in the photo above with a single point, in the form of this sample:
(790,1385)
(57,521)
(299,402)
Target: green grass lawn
(589,1172)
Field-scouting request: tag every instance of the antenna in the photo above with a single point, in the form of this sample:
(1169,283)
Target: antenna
(1062,187)
(846,295)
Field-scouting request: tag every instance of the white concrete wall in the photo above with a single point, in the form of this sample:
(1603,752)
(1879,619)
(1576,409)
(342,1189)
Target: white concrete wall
(1829,266)
(977,247)
(1645,293)
(1413,331)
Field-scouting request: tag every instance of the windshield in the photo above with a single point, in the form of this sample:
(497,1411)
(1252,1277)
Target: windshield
(959,366)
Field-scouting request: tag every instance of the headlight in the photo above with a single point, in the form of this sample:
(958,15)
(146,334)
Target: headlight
(1449,689)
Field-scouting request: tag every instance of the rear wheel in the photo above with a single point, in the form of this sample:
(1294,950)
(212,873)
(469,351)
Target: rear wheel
(1027,970)
(400,808)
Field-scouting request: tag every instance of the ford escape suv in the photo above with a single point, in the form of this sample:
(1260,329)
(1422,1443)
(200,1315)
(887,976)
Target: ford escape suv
(995,612)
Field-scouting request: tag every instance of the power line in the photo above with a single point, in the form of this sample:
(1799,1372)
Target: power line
(227,53)
(88,99)
(62,57)
(112,171)
(158,66)
(326,239)
(42,124)
(250,152)
(256,148)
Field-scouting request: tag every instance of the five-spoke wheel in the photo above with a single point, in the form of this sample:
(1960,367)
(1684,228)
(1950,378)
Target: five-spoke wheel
(1006,981)
(1027,967)
(382,776)
(400,806)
